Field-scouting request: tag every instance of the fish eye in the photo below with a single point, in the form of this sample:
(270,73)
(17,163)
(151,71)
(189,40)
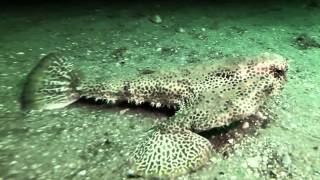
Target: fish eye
(279,72)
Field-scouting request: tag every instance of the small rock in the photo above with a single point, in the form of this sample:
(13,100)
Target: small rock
(124,111)
(156,19)
(181,30)
(82,173)
(260,115)
(286,160)
(245,125)
(231,141)
(131,174)
(213,159)
(13,162)
(253,162)
(20,53)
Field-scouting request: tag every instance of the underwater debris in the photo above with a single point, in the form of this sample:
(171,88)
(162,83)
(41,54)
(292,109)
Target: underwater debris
(208,96)
(303,41)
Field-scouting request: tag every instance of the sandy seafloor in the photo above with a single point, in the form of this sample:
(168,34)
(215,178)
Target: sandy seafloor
(116,40)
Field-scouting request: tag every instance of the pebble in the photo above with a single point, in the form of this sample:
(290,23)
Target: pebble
(131,173)
(156,19)
(253,162)
(231,141)
(286,160)
(245,125)
(181,30)
(260,115)
(124,111)
(13,162)
(82,173)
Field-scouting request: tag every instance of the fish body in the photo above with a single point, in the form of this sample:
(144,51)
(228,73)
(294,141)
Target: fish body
(205,96)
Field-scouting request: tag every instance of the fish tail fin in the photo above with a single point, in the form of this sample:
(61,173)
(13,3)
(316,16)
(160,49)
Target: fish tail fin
(51,84)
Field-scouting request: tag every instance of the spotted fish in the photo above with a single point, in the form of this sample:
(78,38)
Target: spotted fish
(205,96)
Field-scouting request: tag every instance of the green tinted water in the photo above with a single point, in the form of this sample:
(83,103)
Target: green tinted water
(118,40)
